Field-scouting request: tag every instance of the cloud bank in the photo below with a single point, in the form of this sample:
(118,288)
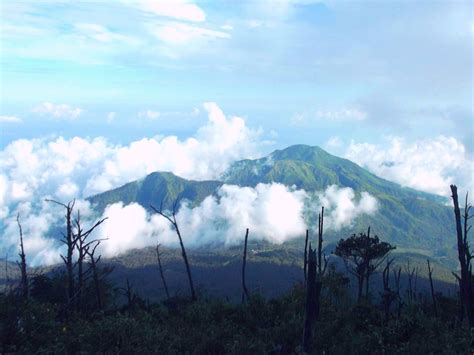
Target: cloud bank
(273,212)
(429,165)
(78,167)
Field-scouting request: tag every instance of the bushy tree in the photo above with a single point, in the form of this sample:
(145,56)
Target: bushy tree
(362,255)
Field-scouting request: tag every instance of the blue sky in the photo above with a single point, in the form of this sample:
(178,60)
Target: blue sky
(405,67)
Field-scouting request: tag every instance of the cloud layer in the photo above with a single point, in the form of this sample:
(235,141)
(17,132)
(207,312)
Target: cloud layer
(78,167)
(273,213)
(429,165)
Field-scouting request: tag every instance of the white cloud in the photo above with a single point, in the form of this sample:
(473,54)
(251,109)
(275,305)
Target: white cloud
(177,33)
(149,114)
(58,111)
(345,114)
(101,33)
(32,169)
(10,119)
(328,115)
(334,142)
(429,165)
(342,208)
(178,9)
(227,27)
(271,212)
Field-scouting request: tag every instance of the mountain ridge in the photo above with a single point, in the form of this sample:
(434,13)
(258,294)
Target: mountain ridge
(406,217)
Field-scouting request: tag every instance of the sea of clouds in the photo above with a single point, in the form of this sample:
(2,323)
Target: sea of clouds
(63,169)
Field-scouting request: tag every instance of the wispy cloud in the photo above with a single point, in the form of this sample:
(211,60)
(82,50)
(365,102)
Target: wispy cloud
(58,111)
(178,9)
(149,114)
(177,33)
(10,119)
(328,115)
(101,33)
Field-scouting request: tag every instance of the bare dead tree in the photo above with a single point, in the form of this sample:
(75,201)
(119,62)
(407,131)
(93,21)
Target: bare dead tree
(311,302)
(22,263)
(162,275)
(305,265)
(412,274)
(464,255)
(388,296)
(82,243)
(90,251)
(322,262)
(70,242)
(433,295)
(245,291)
(320,243)
(397,275)
(172,219)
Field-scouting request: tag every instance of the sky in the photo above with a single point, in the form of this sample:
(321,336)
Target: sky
(98,93)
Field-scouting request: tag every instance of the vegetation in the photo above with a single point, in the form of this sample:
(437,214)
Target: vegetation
(78,310)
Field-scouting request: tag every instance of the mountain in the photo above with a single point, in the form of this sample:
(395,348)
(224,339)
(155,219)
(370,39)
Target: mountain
(412,220)
(157,188)
(406,217)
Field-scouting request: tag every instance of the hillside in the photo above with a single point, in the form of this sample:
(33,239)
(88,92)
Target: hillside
(407,218)
(156,188)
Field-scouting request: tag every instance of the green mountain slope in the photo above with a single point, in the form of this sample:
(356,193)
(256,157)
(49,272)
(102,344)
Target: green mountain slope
(157,188)
(408,218)
(405,217)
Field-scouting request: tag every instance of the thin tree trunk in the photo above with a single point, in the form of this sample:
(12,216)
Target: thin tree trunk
(305,267)
(173,221)
(464,261)
(70,251)
(186,262)
(433,295)
(161,271)
(310,302)
(22,264)
(95,275)
(245,292)
(320,241)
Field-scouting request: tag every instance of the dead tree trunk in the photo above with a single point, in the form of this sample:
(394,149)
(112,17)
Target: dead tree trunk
(82,243)
(433,295)
(464,255)
(22,263)
(397,275)
(93,261)
(388,295)
(305,265)
(321,267)
(70,242)
(245,292)
(162,275)
(174,223)
(311,302)
(411,273)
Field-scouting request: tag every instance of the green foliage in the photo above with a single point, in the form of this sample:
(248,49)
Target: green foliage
(211,326)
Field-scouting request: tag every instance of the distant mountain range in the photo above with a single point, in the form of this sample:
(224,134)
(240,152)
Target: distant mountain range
(412,220)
